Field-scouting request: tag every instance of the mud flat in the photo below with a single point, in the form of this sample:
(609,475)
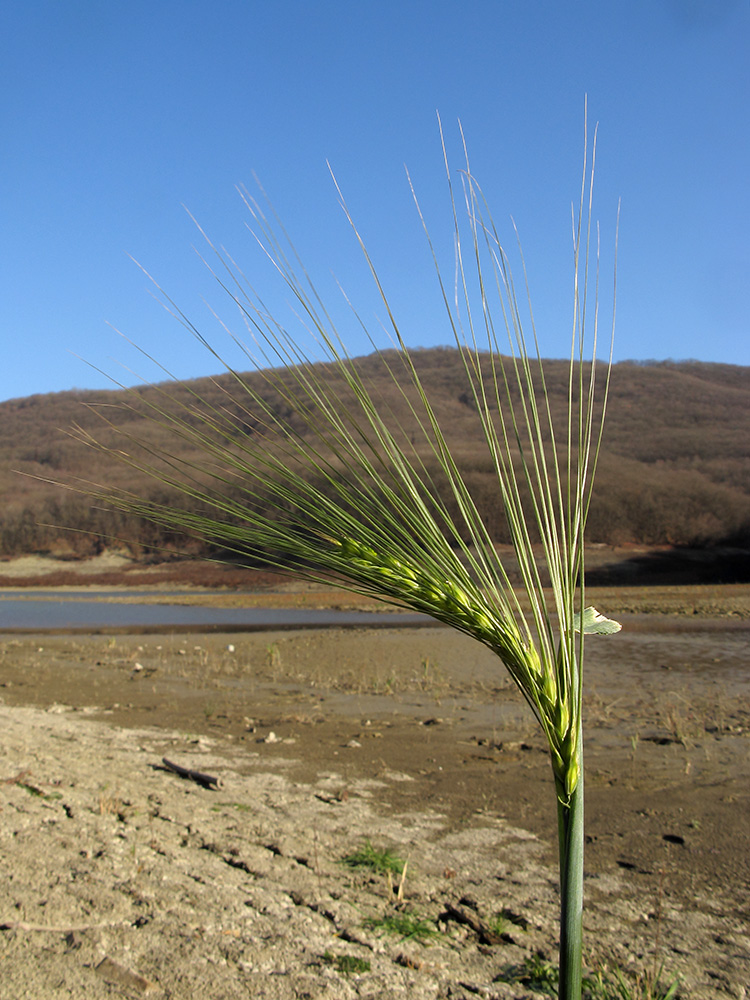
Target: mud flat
(123,879)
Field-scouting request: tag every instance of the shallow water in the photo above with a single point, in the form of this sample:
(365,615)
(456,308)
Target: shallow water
(51,611)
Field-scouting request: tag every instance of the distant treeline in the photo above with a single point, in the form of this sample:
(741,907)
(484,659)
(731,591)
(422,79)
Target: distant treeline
(675,466)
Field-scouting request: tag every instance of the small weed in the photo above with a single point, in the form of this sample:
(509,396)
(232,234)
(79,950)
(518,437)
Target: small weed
(239,806)
(613,985)
(273,657)
(385,686)
(31,789)
(682,720)
(499,924)
(346,964)
(506,921)
(383,861)
(536,972)
(109,804)
(541,975)
(408,925)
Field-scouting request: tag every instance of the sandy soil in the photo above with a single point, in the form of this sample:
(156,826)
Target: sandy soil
(122,879)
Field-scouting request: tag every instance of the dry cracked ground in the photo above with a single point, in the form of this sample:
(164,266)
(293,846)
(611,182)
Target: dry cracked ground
(123,879)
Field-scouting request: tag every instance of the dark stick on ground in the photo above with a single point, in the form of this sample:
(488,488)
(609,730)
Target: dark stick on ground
(206,780)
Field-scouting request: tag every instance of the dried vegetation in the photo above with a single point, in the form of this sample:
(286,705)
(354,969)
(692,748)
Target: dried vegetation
(674,470)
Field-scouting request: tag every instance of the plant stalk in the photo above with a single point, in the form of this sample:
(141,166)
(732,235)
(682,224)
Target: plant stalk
(570,833)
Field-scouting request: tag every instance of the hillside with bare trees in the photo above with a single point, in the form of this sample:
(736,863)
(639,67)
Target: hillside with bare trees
(674,471)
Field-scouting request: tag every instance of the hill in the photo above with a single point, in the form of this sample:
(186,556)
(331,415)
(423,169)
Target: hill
(675,469)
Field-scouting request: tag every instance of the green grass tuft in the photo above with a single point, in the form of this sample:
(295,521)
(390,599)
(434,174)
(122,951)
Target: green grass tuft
(347,965)
(408,925)
(613,985)
(542,976)
(383,861)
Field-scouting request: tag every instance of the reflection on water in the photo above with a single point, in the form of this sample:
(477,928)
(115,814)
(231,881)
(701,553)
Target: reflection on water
(48,610)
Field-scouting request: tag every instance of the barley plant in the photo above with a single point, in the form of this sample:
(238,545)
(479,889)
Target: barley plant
(303,465)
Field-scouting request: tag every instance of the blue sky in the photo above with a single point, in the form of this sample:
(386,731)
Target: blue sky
(115,115)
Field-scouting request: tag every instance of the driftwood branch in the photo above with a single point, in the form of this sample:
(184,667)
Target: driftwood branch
(206,780)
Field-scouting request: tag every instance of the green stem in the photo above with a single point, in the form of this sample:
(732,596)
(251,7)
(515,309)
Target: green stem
(570,832)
